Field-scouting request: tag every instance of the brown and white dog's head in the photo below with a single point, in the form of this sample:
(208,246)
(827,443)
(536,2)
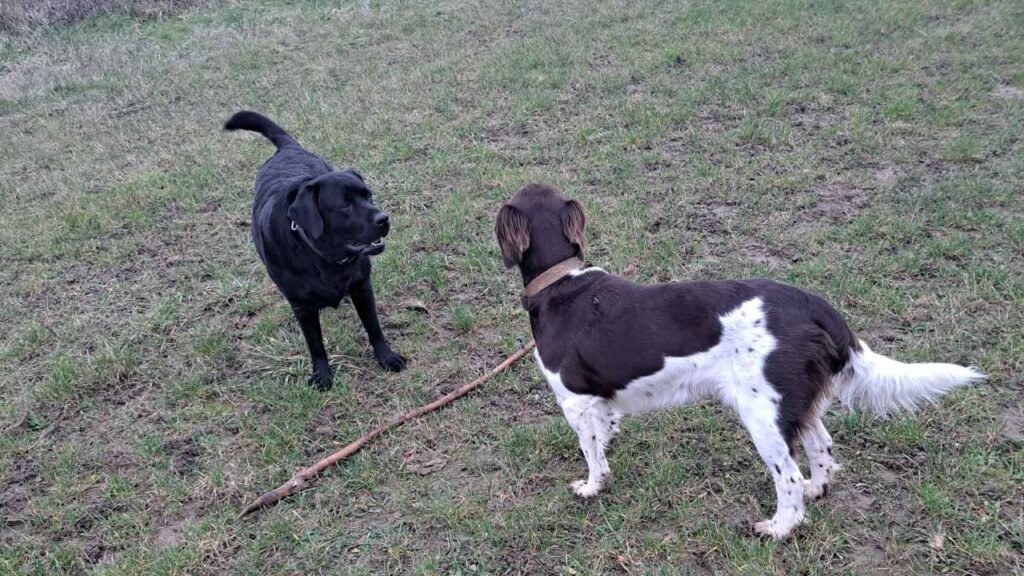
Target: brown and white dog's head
(539,228)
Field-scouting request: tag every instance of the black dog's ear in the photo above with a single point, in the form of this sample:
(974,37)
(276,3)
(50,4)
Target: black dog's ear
(574,222)
(513,232)
(355,173)
(305,210)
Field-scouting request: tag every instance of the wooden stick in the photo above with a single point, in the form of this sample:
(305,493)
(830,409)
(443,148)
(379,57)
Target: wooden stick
(298,481)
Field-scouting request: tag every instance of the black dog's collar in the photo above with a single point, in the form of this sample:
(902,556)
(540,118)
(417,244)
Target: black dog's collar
(305,238)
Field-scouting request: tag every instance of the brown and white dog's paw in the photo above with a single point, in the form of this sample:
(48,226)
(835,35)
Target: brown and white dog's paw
(768,529)
(813,491)
(777,529)
(585,489)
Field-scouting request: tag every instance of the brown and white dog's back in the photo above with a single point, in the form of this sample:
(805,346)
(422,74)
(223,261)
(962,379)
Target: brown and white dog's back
(774,353)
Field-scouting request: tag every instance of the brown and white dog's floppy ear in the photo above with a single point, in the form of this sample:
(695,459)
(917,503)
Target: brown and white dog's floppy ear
(574,222)
(513,232)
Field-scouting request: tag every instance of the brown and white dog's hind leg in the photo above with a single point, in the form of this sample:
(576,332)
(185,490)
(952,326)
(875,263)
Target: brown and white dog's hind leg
(818,446)
(593,421)
(760,417)
(616,417)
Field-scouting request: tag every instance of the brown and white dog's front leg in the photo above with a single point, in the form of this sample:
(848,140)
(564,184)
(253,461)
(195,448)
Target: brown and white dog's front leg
(591,419)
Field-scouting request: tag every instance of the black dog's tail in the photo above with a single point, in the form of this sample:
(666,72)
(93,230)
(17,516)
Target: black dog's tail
(256,122)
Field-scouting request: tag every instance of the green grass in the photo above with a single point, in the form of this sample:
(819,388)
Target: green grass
(153,378)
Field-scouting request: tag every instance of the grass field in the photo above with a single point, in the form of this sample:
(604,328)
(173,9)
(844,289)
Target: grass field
(152,378)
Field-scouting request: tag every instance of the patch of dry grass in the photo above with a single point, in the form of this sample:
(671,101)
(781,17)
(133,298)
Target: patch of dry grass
(25,16)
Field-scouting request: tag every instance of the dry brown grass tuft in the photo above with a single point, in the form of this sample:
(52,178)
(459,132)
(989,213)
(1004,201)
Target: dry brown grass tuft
(24,16)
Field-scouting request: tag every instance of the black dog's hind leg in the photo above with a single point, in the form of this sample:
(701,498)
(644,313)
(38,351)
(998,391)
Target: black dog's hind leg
(366,305)
(309,321)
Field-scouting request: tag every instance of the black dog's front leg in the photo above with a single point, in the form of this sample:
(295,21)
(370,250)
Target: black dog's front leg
(309,321)
(366,307)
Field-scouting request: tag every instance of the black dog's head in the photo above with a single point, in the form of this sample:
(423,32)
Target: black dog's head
(539,228)
(337,212)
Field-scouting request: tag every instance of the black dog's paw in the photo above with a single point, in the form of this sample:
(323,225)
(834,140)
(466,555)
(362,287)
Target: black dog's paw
(391,361)
(322,381)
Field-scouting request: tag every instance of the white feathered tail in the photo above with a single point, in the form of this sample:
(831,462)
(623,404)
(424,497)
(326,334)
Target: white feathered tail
(883,385)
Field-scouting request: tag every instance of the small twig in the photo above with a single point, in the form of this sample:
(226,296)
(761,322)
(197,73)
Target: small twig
(298,481)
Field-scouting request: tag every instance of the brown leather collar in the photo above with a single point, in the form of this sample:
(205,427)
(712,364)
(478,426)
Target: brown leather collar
(552,275)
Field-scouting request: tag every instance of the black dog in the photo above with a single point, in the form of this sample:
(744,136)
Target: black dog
(315,229)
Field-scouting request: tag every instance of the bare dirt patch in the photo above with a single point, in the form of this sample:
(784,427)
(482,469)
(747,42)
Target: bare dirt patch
(853,500)
(712,217)
(1013,424)
(869,558)
(168,536)
(837,203)
(184,451)
(886,176)
(761,254)
(21,482)
(324,422)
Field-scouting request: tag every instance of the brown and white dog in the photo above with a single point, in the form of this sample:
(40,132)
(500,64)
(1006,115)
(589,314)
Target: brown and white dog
(774,353)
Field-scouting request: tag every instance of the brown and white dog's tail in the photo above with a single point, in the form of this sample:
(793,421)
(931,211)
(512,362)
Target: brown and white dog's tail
(882,385)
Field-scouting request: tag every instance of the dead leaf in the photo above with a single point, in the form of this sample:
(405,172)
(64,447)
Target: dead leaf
(209,207)
(416,305)
(428,467)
